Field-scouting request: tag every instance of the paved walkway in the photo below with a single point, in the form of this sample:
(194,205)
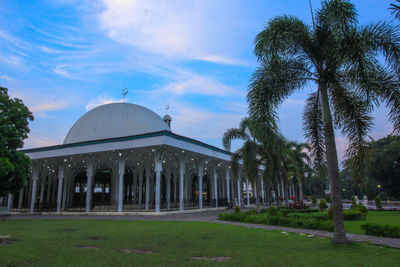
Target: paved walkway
(204,216)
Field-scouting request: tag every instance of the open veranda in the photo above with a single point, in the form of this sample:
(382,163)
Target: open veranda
(160,243)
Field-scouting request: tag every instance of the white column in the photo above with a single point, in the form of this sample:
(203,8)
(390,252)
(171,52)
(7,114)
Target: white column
(247,192)
(34,181)
(121,173)
(140,186)
(10,201)
(262,191)
(20,198)
(168,181)
(49,188)
(239,192)
(228,177)
(147,173)
(282,190)
(89,174)
(201,185)
(134,189)
(215,186)
(182,162)
(42,185)
(174,179)
(158,169)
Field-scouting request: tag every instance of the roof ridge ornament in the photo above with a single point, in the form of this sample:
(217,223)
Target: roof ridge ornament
(124,92)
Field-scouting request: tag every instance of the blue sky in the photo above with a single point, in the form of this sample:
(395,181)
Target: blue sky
(65,57)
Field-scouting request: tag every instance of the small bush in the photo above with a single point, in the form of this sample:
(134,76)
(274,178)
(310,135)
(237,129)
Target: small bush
(235,217)
(297,205)
(353,215)
(315,215)
(258,219)
(362,209)
(322,204)
(287,211)
(314,201)
(328,199)
(381,230)
(237,209)
(378,202)
(272,211)
(329,214)
(353,202)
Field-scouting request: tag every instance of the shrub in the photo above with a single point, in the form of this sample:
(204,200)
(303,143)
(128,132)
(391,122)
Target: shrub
(288,211)
(315,215)
(235,217)
(381,230)
(237,209)
(353,215)
(353,202)
(297,205)
(328,199)
(362,209)
(322,204)
(378,202)
(258,219)
(272,211)
(329,213)
(314,201)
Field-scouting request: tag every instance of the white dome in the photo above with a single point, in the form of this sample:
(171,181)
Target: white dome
(115,120)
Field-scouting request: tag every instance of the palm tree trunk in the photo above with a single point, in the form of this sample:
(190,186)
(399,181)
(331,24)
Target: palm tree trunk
(300,190)
(258,195)
(333,170)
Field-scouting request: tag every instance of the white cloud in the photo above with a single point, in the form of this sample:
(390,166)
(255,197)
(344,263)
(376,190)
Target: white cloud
(6,78)
(175,29)
(101,100)
(196,84)
(60,70)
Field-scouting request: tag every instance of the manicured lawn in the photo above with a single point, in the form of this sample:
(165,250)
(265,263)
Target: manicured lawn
(379,217)
(125,243)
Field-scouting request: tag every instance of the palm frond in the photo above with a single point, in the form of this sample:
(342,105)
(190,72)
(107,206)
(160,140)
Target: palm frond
(232,134)
(314,131)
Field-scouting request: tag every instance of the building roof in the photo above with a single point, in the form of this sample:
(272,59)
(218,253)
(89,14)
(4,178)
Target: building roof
(113,121)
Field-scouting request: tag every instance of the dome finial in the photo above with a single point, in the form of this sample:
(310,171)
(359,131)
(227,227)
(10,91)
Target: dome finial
(124,92)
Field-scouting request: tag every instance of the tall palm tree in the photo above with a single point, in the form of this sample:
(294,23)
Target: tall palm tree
(301,162)
(395,9)
(342,58)
(248,153)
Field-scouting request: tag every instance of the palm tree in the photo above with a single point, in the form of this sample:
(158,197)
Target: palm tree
(395,9)
(343,59)
(301,164)
(248,153)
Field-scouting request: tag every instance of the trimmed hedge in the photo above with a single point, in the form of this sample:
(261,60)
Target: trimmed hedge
(314,215)
(299,222)
(381,230)
(287,211)
(353,215)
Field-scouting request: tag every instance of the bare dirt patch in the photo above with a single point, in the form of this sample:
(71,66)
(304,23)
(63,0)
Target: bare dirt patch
(67,230)
(6,240)
(219,259)
(87,247)
(136,251)
(95,238)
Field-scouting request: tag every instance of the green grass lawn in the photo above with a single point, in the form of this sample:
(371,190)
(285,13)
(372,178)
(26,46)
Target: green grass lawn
(122,243)
(379,217)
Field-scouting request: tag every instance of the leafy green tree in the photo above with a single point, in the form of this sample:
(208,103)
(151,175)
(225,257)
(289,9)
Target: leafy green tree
(342,58)
(14,165)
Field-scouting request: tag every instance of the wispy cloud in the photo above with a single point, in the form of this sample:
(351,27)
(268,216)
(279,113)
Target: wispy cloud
(173,29)
(101,100)
(6,78)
